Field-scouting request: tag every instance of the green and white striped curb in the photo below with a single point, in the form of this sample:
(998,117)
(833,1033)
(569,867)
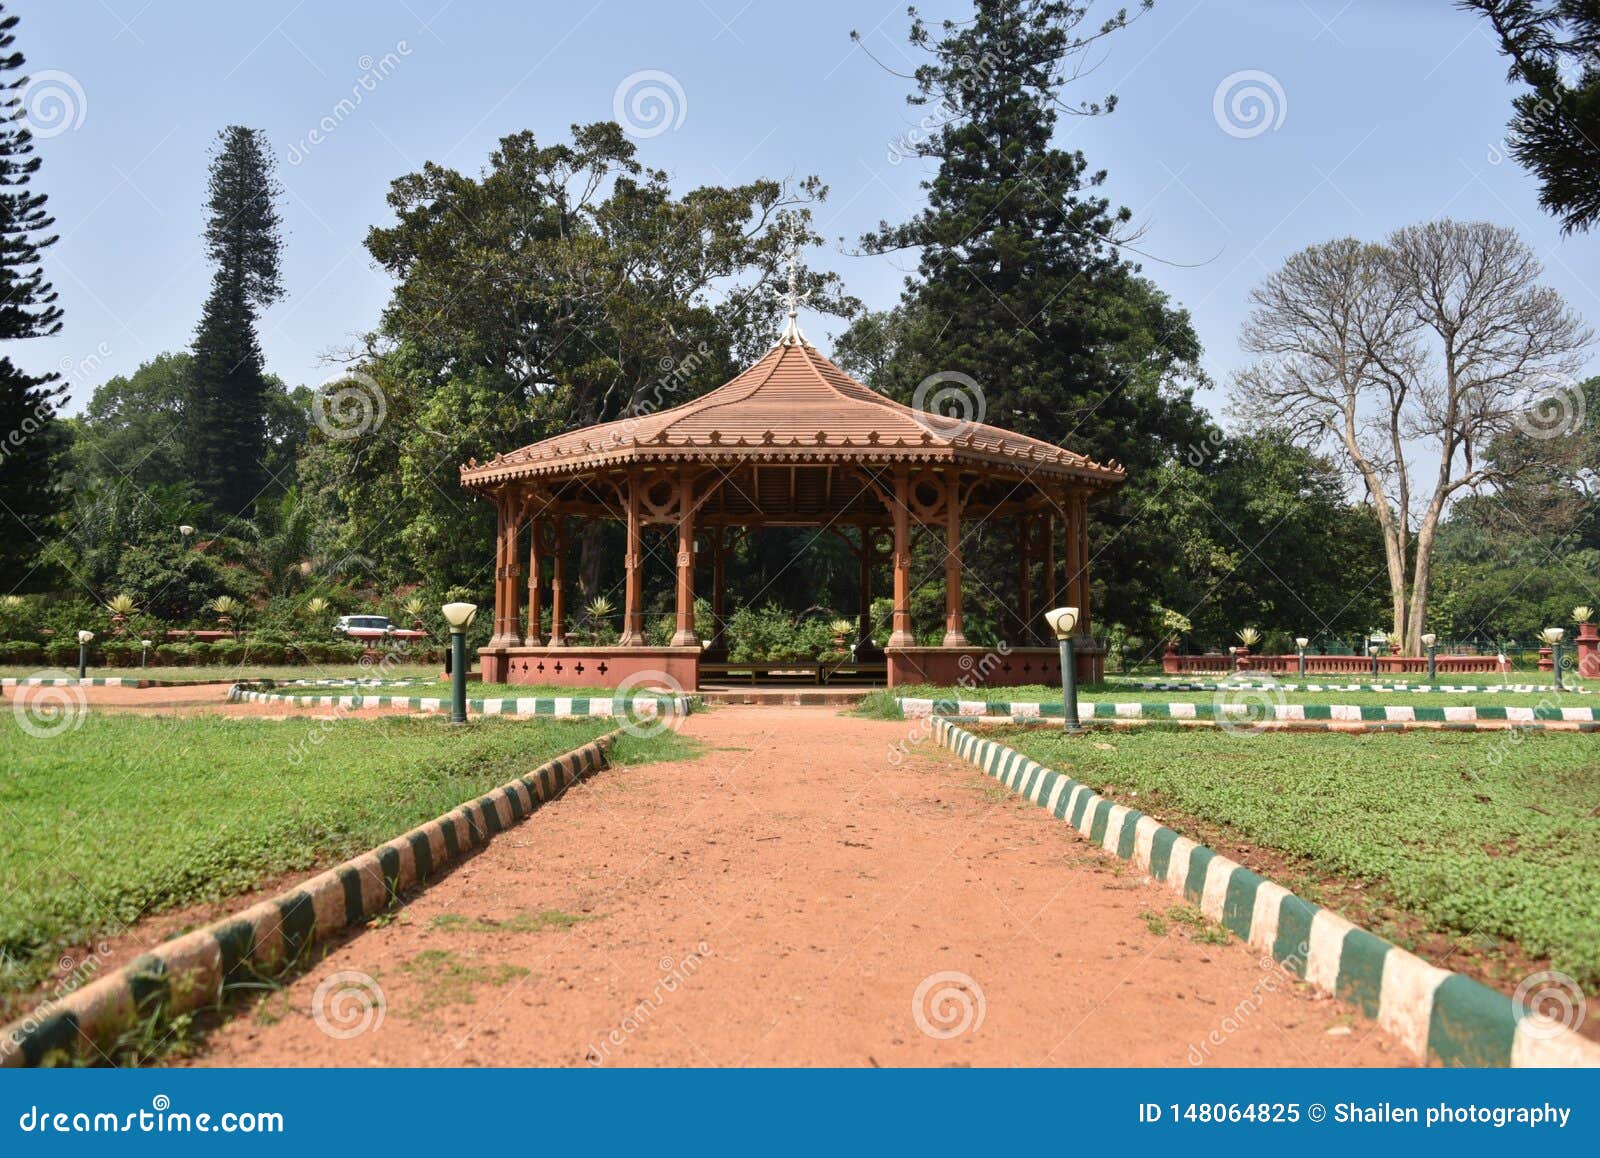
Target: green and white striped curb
(1435,1013)
(196,970)
(560,706)
(1409,689)
(1249,712)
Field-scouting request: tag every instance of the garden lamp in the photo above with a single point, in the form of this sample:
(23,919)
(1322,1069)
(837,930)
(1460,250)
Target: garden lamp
(1428,641)
(1301,643)
(1063,621)
(83,651)
(144,653)
(1372,649)
(1553,636)
(185,530)
(459,616)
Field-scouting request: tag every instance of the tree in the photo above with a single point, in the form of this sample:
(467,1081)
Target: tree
(1021,280)
(566,285)
(133,426)
(225,408)
(1554,46)
(1409,358)
(29,435)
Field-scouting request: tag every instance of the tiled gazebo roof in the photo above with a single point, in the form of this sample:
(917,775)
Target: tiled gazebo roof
(792,406)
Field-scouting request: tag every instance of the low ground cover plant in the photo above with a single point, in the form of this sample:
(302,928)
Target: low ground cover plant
(123,816)
(1477,833)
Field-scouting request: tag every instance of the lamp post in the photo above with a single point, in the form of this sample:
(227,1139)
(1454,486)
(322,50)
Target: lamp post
(1301,643)
(144,653)
(1429,639)
(459,616)
(83,652)
(1553,636)
(1372,650)
(1063,621)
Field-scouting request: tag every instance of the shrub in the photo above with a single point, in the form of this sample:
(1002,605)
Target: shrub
(61,651)
(120,653)
(22,651)
(771,635)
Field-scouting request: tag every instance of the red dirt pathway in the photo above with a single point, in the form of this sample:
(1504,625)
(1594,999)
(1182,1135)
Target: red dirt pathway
(780,900)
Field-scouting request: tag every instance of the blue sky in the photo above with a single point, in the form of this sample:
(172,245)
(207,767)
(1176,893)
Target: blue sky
(1384,112)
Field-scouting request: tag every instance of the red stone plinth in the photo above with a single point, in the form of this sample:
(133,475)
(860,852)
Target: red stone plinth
(1588,642)
(1546,663)
(980,667)
(588,667)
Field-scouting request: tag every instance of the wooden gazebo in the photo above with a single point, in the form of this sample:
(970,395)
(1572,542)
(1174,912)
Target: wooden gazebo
(792,441)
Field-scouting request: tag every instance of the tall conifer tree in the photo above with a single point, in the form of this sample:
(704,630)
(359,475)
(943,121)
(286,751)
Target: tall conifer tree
(28,432)
(226,405)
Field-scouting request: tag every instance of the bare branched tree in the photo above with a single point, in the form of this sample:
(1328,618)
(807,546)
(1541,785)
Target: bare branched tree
(1406,359)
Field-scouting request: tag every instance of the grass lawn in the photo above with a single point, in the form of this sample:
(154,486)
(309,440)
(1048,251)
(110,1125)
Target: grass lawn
(128,815)
(1495,835)
(880,703)
(248,671)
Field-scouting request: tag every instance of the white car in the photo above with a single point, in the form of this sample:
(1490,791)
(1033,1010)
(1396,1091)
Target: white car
(373,627)
(363,626)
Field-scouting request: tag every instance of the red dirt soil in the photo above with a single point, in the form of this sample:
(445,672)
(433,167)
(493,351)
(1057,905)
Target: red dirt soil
(779,901)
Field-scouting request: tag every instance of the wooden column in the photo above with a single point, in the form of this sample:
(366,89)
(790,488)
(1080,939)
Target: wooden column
(534,636)
(685,636)
(1052,581)
(718,578)
(864,586)
(902,635)
(954,630)
(1025,575)
(507,598)
(633,594)
(558,584)
(1074,561)
(1081,510)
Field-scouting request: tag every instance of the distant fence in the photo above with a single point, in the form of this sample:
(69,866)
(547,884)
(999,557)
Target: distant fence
(1218,663)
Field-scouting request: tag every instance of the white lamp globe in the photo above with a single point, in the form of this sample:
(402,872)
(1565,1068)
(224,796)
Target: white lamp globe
(459,615)
(1062,621)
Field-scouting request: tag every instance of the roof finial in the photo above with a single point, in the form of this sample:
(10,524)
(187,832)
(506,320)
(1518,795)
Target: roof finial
(793,296)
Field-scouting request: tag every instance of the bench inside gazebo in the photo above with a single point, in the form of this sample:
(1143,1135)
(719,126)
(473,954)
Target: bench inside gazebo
(792,441)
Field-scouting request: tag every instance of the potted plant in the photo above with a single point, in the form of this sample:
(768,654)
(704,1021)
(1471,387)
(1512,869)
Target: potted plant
(225,607)
(1588,642)
(120,606)
(414,607)
(597,613)
(841,629)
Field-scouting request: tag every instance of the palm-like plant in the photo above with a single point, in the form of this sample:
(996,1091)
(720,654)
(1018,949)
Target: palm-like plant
(414,607)
(226,607)
(120,606)
(1249,636)
(1582,614)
